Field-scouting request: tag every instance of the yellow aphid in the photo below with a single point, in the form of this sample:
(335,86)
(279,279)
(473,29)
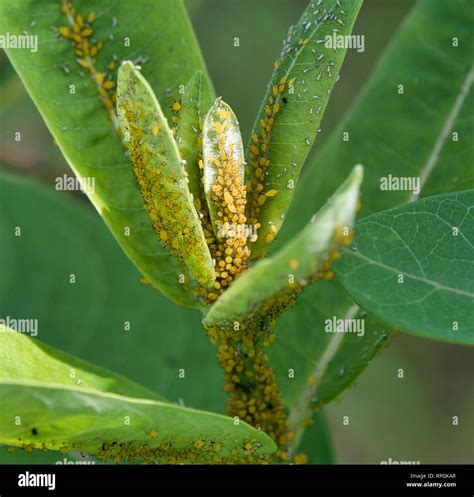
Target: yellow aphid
(276,64)
(176,106)
(275,90)
(261,199)
(293,264)
(155,128)
(218,127)
(271,193)
(270,237)
(152,434)
(109,84)
(91,18)
(164,236)
(199,444)
(11,449)
(87,32)
(276,108)
(311,380)
(63,31)
(301,458)
(80,21)
(224,114)
(175,243)
(228,197)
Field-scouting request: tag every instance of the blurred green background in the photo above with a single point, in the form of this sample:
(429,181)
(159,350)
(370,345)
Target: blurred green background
(402,419)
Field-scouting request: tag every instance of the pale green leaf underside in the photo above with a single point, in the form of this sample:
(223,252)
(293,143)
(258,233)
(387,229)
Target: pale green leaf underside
(195,104)
(421,56)
(310,69)
(296,263)
(413,267)
(157,165)
(30,360)
(81,125)
(59,416)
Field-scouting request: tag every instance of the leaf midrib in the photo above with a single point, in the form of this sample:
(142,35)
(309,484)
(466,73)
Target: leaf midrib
(441,139)
(435,284)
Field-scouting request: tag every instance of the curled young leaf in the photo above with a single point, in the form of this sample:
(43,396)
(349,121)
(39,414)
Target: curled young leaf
(223,165)
(291,112)
(160,174)
(272,284)
(225,193)
(195,104)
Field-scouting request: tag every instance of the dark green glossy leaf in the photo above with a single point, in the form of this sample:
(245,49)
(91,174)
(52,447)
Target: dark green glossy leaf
(412,267)
(389,133)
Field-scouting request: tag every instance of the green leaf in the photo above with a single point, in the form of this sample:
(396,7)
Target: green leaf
(195,104)
(296,265)
(291,112)
(58,413)
(412,267)
(223,154)
(81,116)
(160,174)
(393,134)
(107,317)
(32,361)
(322,361)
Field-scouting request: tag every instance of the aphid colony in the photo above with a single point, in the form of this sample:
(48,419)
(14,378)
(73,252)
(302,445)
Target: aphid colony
(259,157)
(80,32)
(224,180)
(164,450)
(198,228)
